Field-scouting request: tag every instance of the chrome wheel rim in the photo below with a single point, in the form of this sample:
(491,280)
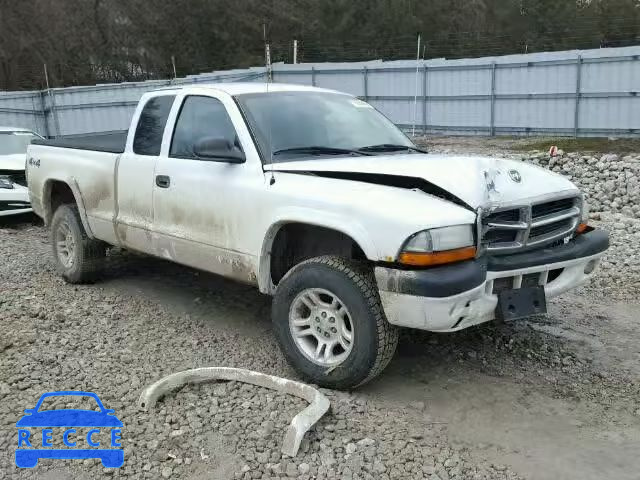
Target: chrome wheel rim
(321,326)
(65,245)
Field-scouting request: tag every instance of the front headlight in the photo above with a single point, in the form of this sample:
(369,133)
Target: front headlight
(438,246)
(5,182)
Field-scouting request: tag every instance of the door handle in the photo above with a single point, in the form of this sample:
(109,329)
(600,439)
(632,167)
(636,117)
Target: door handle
(163,181)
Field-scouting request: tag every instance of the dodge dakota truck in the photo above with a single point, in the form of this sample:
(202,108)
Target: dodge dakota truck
(316,198)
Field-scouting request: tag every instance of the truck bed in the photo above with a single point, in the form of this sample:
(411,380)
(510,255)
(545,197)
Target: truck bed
(98,142)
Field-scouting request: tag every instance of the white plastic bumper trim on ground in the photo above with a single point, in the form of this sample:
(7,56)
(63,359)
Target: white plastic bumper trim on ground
(301,423)
(478,305)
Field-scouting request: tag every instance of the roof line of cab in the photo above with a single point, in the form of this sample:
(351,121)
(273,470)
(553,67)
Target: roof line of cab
(235,88)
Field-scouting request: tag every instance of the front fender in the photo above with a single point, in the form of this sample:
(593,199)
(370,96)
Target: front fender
(319,218)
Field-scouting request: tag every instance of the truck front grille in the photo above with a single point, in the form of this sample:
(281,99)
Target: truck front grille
(549,208)
(505,230)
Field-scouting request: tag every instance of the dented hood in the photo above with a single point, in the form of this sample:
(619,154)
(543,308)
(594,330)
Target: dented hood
(478,181)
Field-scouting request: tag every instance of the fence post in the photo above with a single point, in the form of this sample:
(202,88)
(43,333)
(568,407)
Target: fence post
(365,83)
(52,100)
(173,66)
(424,99)
(576,111)
(43,109)
(492,122)
(313,76)
(267,57)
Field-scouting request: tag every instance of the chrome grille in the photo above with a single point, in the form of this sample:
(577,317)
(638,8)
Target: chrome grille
(505,230)
(555,206)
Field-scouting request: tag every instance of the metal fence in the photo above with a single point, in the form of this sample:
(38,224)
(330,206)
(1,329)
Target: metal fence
(570,93)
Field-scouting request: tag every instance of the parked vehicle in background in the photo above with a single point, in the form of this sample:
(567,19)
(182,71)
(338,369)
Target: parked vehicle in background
(14,195)
(318,199)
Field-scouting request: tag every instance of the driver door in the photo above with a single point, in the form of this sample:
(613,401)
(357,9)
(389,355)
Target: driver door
(201,213)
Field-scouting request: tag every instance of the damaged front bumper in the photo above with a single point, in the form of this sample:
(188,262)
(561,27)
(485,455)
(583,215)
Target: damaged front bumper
(457,296)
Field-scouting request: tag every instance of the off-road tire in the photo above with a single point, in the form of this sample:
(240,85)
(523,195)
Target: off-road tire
(375,340)
(89,254)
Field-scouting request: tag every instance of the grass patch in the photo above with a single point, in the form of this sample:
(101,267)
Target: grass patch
(620,146)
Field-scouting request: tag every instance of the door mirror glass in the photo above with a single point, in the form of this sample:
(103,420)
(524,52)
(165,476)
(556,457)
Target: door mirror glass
(218,150)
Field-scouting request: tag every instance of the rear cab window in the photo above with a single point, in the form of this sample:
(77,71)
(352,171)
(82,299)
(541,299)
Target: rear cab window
(151,124)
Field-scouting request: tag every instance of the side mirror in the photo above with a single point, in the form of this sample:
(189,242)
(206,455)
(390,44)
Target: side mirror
(109,411)
(218,150)
(29,411)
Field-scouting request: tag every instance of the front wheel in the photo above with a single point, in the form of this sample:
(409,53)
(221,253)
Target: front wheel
(330,324)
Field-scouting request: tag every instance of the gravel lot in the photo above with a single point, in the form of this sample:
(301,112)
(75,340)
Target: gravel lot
(557,397)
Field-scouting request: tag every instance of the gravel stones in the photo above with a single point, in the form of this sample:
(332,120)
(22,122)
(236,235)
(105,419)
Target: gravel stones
(118,335)
(609,182)
(114,340)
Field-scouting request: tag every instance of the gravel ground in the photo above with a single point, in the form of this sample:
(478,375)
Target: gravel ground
(114,341)
(554,397)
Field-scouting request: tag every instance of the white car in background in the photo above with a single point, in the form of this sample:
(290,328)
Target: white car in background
(14,194)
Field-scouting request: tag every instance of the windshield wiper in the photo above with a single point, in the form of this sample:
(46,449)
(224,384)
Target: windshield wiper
(390,147)
(319,150)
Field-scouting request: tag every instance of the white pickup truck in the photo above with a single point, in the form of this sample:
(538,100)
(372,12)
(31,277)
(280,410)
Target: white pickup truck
(319,200)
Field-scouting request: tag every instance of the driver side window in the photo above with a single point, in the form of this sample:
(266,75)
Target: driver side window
(200,117)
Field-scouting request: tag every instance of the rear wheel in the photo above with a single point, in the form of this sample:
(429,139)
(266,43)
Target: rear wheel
(330,324)
(79,259)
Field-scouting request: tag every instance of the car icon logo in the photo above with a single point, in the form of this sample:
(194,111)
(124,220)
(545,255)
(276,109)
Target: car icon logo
(515,176)
(31,447)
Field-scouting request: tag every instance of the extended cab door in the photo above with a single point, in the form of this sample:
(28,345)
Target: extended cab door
(135,178)
(205,210)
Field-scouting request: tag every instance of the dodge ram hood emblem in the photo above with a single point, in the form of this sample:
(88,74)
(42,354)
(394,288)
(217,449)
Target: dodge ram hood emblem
(515,176)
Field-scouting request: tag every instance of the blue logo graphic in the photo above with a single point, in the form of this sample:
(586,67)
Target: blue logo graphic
(27,455)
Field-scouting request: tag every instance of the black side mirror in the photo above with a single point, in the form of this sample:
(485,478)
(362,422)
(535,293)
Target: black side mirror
(218,150)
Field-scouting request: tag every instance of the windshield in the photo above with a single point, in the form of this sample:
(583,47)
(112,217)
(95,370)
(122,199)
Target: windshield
(302,125)
(15,142)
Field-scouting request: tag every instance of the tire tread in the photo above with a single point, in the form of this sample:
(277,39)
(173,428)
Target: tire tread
(91,252)
(360,273)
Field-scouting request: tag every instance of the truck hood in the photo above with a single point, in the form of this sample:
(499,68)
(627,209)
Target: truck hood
(14,161)
(477,181)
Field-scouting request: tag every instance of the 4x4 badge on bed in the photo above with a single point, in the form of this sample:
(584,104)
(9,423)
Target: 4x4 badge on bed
(27,455)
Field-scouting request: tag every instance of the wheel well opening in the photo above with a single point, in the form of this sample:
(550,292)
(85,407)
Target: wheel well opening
(296,242)
(60,194)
